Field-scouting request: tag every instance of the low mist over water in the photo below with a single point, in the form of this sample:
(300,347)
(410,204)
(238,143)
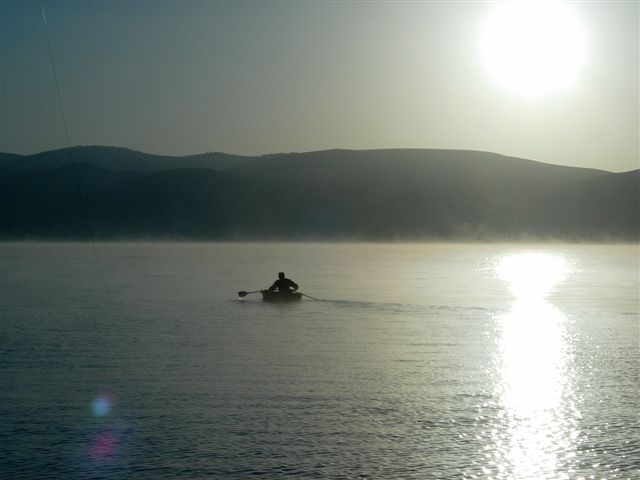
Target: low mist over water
(138,360)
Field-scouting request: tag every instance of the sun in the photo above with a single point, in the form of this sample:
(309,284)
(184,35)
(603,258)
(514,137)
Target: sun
(532,47)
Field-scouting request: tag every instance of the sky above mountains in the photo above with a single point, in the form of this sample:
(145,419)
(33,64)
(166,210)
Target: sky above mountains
(261,77)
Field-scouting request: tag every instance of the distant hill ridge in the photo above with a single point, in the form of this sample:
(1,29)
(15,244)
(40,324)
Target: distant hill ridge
(118,158)
(393,194)
(122,158)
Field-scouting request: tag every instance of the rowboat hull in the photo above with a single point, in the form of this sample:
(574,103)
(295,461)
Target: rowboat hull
(268,296)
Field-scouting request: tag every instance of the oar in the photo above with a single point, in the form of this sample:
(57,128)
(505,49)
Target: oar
(243,294)
(308,296)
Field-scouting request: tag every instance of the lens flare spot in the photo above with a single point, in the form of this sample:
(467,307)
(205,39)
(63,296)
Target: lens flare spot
(104,446)
(101,406)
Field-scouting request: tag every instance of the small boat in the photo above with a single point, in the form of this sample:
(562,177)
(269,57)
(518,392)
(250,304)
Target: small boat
(268,296)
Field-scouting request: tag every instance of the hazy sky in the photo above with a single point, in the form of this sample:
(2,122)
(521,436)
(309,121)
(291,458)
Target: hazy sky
(190,77)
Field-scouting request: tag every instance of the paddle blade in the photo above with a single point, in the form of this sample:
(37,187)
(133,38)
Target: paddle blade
(242,294)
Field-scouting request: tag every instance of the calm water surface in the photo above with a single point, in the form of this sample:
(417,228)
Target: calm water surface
(420,361)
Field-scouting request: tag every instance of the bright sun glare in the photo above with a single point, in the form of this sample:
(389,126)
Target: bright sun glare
(531,275)
(532,47)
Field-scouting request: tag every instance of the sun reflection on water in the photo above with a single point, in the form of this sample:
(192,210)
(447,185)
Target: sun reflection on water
(531,276)
(536,438)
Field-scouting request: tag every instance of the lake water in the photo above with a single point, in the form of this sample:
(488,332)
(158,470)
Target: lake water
(137,360)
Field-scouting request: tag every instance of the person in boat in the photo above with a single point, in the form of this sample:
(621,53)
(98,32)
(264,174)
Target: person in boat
(283,285)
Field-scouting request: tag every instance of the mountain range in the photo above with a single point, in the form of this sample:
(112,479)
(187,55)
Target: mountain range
(401,194)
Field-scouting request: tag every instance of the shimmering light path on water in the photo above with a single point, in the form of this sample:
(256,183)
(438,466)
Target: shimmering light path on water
(422,361)
(537,432)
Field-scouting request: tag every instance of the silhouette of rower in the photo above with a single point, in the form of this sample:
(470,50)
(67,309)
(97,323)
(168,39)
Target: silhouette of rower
(283,284)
